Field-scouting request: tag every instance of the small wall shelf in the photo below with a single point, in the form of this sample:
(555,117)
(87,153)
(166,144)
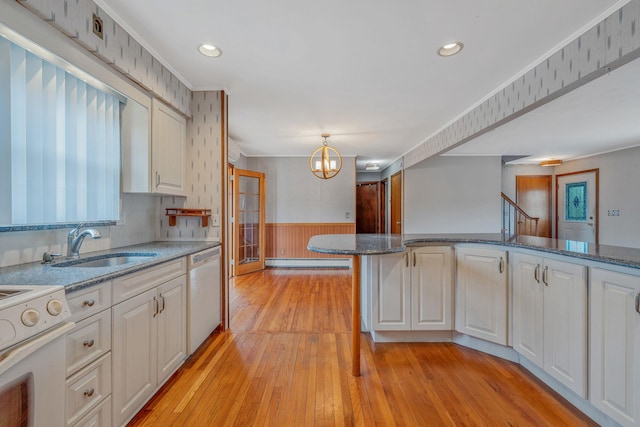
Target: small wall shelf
(173,213)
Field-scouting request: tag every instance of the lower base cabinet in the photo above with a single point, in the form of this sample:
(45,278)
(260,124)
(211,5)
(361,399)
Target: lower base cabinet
(550,317)
(149,344)
(413,290)
(615,345)
(481,293)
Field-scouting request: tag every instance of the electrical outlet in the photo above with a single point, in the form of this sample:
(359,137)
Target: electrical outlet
(97,26)
(215,220)
(613,212)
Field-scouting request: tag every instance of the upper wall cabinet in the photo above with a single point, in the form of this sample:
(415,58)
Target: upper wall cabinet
(153,151)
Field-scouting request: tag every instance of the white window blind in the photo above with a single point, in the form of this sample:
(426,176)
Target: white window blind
(60,144)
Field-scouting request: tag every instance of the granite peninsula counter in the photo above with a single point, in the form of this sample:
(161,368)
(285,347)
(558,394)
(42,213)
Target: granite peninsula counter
(76,278)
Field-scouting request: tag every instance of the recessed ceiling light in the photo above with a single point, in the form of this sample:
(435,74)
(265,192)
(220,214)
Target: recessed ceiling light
(450,49)
(209,50)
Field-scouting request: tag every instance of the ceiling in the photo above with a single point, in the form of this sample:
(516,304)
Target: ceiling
(365,71)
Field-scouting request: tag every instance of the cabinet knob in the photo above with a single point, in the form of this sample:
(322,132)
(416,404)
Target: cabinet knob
(88,303)
(89,343)
(89,393)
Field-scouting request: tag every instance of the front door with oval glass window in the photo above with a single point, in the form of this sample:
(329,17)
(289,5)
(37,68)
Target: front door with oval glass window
(577,202)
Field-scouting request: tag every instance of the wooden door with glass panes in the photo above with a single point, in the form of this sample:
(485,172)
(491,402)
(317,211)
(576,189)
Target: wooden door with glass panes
(249,230)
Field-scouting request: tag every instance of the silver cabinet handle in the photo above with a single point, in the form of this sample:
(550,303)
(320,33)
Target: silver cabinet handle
(638,302)
(536,273)
(414,259)
(89,343)
(406,259)
(157,179)
(501,265)
(545,275)
(89,393)
(155,300)
(163,302)
(88,303)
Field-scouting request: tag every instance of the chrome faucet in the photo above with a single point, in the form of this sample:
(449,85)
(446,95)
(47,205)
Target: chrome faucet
(76,237)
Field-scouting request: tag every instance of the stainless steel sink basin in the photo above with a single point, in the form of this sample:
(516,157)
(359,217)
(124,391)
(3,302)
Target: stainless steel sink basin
(109,260)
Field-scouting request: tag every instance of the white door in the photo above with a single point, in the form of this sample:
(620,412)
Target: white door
(431,293)
(577,201)
(615,345)
(134,352)
(481,293)
(528,307)
(565,324)
(391,299)
(171,318)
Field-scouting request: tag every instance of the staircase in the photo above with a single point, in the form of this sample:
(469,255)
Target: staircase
(515,221)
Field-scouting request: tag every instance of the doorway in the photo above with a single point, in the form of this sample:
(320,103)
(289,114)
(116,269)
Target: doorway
(577,200)
(249,221)
(396,203)
(370,207)
(533,195)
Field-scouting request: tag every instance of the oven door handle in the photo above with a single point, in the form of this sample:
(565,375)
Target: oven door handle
(20,351)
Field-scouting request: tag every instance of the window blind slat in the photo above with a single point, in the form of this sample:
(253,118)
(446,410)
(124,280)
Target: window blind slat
(63,143)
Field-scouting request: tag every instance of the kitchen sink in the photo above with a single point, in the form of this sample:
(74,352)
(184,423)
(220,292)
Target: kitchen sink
(109,260)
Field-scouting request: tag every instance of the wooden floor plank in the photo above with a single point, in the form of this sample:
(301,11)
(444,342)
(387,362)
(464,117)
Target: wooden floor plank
(285,361)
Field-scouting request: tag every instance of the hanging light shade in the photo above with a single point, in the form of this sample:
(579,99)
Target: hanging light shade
(325,162)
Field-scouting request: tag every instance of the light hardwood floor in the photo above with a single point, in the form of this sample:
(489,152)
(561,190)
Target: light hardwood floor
(286,362)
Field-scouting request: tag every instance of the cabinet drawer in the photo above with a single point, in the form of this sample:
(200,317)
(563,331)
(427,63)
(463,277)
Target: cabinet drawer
(100,416)
(87,388)
(89,301)
(90,339)
(133,284)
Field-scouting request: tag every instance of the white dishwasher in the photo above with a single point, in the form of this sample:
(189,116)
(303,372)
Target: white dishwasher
(203,297)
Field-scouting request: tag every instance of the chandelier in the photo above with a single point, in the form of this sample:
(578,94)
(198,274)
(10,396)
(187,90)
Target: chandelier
(325,162)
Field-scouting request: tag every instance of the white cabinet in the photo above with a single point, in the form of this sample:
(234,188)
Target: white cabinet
(414,290)
(481,293)
(153,149)
(391,297)
(431,288)
(88,354)
(168,150)
(615,345)
(550,317)
(149,344)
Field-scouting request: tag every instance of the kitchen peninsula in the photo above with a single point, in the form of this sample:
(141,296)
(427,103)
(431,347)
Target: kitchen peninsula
(567,311)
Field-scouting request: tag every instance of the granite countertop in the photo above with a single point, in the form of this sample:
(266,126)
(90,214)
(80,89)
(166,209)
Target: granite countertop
(374,244)
(356,244)
(74,278)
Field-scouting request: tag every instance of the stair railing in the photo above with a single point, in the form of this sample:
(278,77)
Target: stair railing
(515,221)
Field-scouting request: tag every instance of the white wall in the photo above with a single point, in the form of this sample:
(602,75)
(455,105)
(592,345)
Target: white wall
(619,182)
(294,194)
(453,195)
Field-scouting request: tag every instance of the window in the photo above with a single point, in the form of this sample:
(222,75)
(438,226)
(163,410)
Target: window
(59,143)
(576,201)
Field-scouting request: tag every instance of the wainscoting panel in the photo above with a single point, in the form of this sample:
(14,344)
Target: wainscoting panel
(289,240)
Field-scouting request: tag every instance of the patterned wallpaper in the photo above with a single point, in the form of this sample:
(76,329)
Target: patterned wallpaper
(611,43)
(117,48)
(204,173)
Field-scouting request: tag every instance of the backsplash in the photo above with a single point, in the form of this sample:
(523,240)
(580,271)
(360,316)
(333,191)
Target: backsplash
(117,49)
(138,215)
